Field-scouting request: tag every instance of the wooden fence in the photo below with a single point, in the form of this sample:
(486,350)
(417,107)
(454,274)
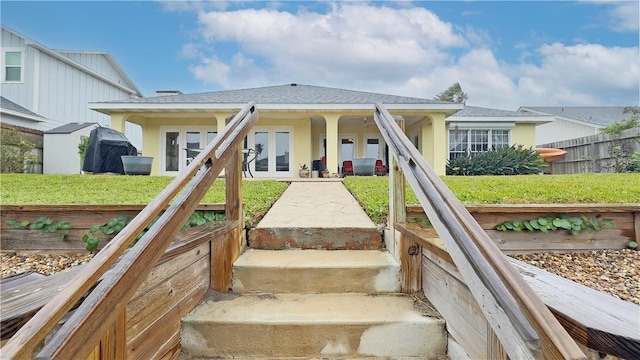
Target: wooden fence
(592,154)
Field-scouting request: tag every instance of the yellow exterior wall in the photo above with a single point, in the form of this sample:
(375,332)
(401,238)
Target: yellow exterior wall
(432,133)
(524,134)
(151,132)
(301,140)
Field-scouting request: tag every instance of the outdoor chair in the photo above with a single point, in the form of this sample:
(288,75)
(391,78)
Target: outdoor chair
(347,168)
(380,169)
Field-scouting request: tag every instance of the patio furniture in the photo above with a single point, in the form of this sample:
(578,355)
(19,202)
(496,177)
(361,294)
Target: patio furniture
(364,166)
(380,169)
(347,168)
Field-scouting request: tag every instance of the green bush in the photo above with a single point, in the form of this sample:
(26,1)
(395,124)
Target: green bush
(634,163)
(15,152)
(514,160)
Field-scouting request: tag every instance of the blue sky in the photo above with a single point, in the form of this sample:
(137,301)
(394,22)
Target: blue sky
(505,54)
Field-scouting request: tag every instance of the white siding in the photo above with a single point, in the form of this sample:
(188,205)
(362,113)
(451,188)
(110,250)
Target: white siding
(559,130)
(99,63)
(19,93)
(61,152)
(61,92)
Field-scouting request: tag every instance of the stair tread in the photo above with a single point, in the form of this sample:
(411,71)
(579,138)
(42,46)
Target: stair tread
(302,309)
(315,258)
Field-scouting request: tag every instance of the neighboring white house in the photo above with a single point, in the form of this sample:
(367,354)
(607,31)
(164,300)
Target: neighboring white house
(475,129)
(43,89)
(573,121)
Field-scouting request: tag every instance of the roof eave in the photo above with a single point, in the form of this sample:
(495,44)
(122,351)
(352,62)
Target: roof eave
(107,108)
(22,115)
(538,120)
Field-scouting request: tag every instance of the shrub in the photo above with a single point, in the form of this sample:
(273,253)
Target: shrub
(15,152)
(514,160)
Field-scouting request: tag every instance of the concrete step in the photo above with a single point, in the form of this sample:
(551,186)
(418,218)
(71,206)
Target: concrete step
(346,238)
(312,325)
(316,271)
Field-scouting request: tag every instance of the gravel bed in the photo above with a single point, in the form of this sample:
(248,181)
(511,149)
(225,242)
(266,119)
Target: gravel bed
(615,272)
(12,264)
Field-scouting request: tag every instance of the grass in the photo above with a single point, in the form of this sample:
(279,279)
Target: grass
(373,192)
(23,189)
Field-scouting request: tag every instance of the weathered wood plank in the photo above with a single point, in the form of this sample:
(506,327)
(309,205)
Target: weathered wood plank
(455,351)
(88,322)
(156,302)
(20,303)
(163,272)
(113,343)
(526,242)
(159,336)
(80,216)
(452,299)
(595,319)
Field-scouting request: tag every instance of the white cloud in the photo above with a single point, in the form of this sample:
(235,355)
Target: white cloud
(405,51)
(625,16)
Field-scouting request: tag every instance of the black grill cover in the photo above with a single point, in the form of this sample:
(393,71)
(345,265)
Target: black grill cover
(105,148)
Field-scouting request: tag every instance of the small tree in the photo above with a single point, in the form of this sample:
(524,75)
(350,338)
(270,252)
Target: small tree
(82,148)
(454,93)
(623,158)
(15,152)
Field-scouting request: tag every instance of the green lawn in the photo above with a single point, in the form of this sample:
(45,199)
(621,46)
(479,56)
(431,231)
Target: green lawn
(372,192)
(22,189)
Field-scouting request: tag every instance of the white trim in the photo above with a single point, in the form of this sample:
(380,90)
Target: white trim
(20,50)
(36,81)
(182,138)
(381,144)
(341,158)
(480,125)
(321,139)
(22,115)
(234,106)
(83,68)
(272,154)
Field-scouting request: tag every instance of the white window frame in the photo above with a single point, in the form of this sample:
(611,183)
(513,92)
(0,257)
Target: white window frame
(381,144)
(4,65)
(271,131)
(182,143)
(489,127)
(355,146)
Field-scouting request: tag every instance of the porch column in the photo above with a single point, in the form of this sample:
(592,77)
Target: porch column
(332,142)
(118,122)
(434,143)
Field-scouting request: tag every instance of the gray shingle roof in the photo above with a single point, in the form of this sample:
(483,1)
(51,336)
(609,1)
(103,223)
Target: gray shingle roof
(281,94)
(597,115)
(10,105)
(474,111)
(69,128)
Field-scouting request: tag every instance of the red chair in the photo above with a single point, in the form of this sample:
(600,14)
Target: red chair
(380,169)
(347,168)
(323,160)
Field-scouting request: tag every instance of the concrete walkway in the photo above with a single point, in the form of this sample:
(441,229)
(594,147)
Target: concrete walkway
(316,205)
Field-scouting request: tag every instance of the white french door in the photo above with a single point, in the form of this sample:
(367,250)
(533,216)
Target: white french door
(181,144)
(273,151)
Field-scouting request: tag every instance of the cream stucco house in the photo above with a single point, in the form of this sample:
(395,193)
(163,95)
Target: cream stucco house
(300,124)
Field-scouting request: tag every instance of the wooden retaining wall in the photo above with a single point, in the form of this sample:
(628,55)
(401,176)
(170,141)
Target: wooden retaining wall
(625,219)
(82,218)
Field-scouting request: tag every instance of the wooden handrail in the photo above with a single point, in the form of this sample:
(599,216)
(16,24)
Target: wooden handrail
(82,331)
(525,327)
